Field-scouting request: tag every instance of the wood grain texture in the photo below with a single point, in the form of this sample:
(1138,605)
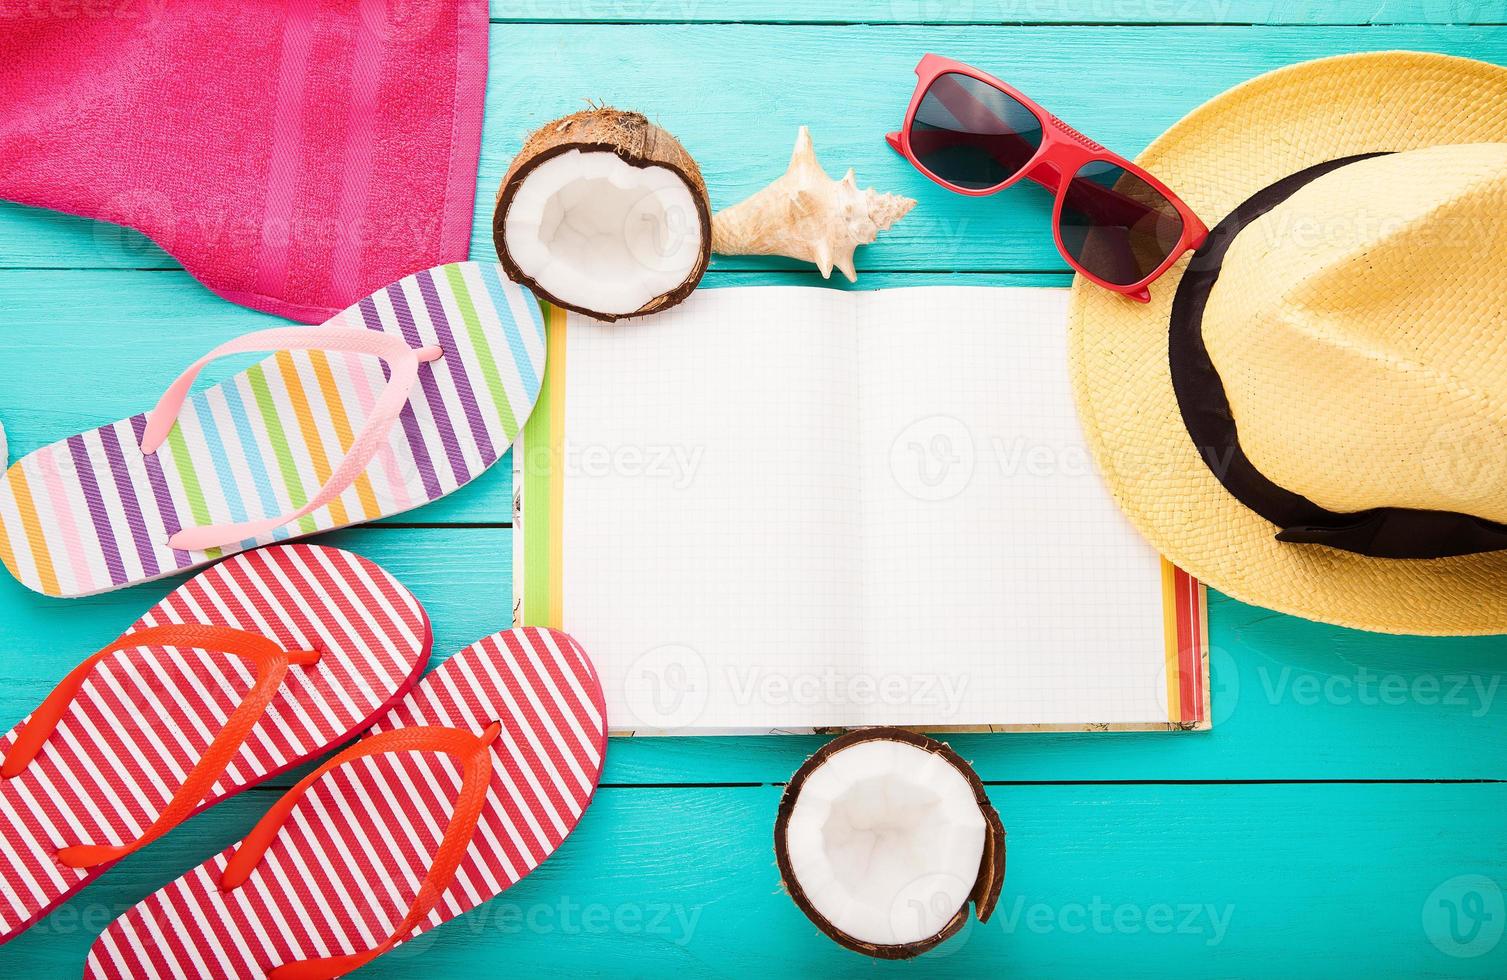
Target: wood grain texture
(1124,881)
(1256,824)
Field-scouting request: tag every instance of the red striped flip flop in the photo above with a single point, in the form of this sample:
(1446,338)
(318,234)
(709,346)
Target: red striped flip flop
(464,787)
(161,723)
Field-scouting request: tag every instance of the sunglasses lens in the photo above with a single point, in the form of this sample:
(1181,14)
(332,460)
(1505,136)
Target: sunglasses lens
(1117,226)
(971,134)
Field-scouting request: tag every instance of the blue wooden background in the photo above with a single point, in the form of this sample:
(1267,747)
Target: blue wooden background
(1346,816)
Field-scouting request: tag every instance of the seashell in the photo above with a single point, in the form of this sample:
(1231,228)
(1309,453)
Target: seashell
(806,215)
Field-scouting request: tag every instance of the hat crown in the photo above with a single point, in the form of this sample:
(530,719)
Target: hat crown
(1360,331)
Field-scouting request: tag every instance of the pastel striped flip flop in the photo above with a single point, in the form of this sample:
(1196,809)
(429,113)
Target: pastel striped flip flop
(253,666)
(395,402)
(464,787)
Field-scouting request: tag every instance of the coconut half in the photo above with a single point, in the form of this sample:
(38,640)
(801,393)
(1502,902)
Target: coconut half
(884,838)
(604,213)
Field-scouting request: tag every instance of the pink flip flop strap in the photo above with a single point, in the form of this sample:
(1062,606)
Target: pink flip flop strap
(271,664)
(404,362)
(474,754)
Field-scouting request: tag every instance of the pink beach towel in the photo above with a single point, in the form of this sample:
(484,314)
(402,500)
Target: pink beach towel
(295,156)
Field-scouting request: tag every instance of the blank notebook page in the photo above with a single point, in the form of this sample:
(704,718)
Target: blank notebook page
(788,508)
(995,561)
(711,505)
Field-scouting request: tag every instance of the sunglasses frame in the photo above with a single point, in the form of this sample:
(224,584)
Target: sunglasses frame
(1062,153)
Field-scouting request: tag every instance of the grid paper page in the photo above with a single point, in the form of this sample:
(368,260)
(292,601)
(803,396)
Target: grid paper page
(710,544)
(1001,584)
(789,508)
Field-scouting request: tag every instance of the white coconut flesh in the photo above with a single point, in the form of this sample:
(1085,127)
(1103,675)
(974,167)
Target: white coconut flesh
(885,839)
(601,233)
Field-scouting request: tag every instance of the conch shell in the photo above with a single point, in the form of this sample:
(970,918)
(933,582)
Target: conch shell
(807,215)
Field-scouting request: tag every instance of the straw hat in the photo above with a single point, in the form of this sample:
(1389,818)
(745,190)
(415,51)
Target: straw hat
(1348,318)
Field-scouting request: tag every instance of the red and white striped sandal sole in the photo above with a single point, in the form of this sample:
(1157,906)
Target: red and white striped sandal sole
(144,715)
(340,870)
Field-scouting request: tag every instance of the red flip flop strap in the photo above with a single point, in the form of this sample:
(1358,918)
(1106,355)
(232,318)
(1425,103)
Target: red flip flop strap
(270,663)
(475,757)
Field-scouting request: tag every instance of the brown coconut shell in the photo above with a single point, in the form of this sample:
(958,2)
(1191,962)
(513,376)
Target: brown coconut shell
(637,142)
(986,889)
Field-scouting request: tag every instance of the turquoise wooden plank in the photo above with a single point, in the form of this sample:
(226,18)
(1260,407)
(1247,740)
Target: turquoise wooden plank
(83,348)
(461,576)
(725,90)
(1124,881)
(36,238)
(1292,700)
(735,95)
(995,12)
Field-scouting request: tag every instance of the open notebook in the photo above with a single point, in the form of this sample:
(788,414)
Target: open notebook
(787,509)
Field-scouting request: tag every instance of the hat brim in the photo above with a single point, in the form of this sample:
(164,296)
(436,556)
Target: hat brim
(1215,158)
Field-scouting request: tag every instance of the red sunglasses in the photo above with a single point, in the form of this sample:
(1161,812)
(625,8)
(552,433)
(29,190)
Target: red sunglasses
(1114,222)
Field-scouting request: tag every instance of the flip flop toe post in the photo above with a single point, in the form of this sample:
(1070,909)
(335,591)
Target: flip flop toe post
(260,663)
(470,782)
(395,402)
